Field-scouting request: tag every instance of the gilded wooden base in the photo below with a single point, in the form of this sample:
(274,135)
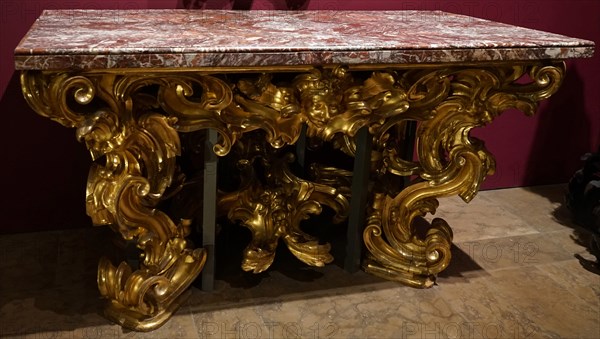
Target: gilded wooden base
(272,204)
(131,121)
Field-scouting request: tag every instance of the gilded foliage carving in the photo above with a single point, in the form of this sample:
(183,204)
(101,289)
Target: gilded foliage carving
(131,122)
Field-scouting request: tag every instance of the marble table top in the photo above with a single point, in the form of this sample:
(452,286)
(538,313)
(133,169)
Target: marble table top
(100,39)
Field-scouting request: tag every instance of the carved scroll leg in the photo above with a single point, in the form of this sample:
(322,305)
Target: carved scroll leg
(145,299)
(124,193)
(135,150)
(396,250)
(450,161)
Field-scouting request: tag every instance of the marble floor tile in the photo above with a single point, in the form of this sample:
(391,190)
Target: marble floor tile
(369,314)
(541,306)
(573,241)
(480,219)
(518,251)
(181,325)
(58,310)
(514,274)
(522,302)
(542,207)
(583,284)
(28,261)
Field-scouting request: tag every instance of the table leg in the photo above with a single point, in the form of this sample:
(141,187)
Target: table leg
(358,200)
(447,104)
(135,166)
(124,193)
(209,211)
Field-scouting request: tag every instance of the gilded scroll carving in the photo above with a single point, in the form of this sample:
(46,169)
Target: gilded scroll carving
(131,122)
(135,163)
(335,103)
(448,103)
(273,204)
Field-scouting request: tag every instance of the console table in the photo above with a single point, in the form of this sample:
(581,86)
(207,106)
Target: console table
(139,85)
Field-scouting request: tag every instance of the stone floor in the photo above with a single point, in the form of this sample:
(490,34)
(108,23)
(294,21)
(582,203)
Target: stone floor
(514,274)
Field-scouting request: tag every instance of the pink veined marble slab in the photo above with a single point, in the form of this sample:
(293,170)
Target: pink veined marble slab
(99,39)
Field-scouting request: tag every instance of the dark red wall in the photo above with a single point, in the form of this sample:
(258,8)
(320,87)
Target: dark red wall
(43,169)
